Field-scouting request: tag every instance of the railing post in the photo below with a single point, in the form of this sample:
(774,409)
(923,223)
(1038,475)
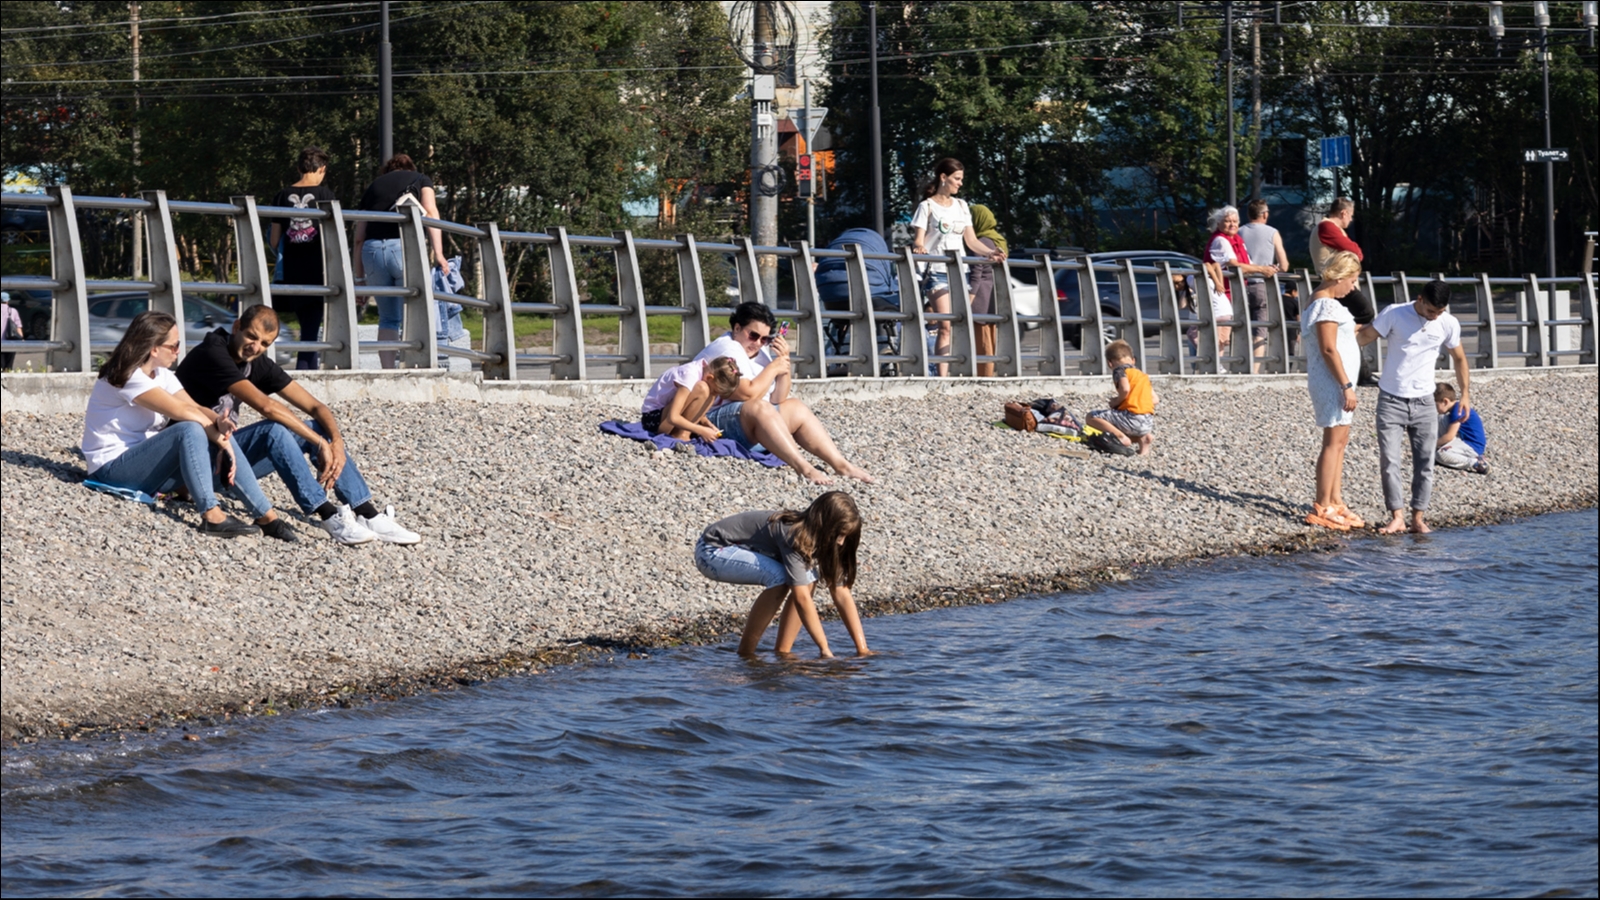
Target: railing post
(421,313)
(1277,328)
(1128,293)
(913,331)
(961,342)
(1091,334)
(1208,358)
(70,323)
(568,324)
(1008,340)
(1172,358)
(167,295)
(1305,302)
(750,274)
(1538,342)
(254,273)
(1241,340)
(1051,344)
(340,327)
(692,294)
(863,330)
(1586,311)
(499,331)
(808,324)
(633,328)
(1372,354)
(1487,332)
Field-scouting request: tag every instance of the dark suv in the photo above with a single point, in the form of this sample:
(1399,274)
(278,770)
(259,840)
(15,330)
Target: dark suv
(1110,297)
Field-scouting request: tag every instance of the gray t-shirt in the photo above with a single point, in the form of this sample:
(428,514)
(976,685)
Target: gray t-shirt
(755,531)
(1258,241)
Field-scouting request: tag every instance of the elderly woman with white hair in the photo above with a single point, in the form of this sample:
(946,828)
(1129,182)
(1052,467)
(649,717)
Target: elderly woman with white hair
(1226,251)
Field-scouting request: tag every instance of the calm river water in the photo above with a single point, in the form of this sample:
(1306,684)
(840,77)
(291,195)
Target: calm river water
(1413,716)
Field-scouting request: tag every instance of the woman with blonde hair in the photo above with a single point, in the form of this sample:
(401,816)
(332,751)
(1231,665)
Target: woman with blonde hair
(786,551)
(1333,357)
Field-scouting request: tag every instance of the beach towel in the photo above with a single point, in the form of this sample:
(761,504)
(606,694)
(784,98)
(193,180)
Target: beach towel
(634,431)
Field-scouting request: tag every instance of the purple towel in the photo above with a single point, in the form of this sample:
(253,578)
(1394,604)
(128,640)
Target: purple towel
(634,431)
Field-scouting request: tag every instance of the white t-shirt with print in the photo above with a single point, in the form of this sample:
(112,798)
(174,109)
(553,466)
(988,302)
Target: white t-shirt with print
(114,422)
(749,367)
(1414,345)
(944,226)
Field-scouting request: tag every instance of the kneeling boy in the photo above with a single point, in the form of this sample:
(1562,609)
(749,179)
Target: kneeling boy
(1130,419)
(1462,443)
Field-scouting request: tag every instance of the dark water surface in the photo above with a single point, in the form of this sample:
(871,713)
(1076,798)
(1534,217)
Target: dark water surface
(1413,716)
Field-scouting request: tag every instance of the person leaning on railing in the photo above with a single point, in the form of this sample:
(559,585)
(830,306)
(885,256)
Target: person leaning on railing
(142,434)
(378,260)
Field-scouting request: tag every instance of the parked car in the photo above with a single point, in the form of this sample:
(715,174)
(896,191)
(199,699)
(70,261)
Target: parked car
(1111,296)
(24,225)
(111,314)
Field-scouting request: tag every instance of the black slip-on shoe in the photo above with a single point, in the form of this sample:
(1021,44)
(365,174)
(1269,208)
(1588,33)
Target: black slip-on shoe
(280,529)
(229,527)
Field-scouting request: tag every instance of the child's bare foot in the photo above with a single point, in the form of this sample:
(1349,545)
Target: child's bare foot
(816,476)
(1397,525)
(1145,444)
(850,470)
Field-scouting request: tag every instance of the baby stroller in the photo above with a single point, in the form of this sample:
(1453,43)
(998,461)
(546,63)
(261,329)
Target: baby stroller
(833,290)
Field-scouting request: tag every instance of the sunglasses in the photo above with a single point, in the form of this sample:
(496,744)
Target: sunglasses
(764,341)
(172,346)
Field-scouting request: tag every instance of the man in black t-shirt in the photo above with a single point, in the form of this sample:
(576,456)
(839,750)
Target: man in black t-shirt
(227,368)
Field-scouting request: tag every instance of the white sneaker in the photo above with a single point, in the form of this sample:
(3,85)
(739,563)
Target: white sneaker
(346,528)
(387,529)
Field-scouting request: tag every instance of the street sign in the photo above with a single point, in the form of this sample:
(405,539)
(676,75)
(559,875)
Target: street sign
(1552,154)
(808,120)
(802,175)
(1335,151)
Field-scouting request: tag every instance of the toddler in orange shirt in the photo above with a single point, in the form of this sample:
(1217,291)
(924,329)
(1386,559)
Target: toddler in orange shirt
(1131,418)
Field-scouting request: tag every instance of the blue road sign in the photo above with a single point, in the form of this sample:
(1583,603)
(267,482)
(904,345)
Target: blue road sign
(1335,151)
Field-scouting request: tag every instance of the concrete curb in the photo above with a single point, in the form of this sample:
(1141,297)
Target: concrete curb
(68,392)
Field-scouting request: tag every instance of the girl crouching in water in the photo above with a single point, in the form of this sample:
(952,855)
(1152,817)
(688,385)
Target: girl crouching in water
(784,551)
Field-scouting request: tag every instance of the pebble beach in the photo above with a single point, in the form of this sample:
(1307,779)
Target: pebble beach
(545,540)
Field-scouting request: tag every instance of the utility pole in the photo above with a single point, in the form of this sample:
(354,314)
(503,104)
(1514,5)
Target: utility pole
(1255,103)
(1541,18)
(877,127)
(1227,58)
(385,91)
(138,217)
(765,183)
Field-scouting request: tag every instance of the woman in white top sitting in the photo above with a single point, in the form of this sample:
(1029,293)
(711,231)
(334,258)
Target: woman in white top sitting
(942,223)
(143,433)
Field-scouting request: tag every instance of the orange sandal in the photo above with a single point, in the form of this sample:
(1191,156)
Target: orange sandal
(1349,518)
(1327,517)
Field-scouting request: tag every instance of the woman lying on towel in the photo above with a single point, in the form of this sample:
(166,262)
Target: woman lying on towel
(677,403)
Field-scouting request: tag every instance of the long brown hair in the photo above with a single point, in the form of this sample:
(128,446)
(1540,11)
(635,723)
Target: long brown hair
(815,535)
(148,330)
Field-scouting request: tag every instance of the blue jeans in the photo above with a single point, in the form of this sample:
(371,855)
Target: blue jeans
(738,564)
(180,453)
(385,266)
(271,447)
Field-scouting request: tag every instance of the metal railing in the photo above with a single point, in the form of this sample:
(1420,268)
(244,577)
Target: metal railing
(1545,321)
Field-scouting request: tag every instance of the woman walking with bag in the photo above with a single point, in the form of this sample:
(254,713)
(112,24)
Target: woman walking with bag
(378,260)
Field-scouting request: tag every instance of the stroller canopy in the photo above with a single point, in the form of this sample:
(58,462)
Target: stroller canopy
(880,272)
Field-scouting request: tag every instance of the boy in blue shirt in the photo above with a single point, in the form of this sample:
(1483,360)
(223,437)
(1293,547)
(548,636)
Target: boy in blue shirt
(1461,440)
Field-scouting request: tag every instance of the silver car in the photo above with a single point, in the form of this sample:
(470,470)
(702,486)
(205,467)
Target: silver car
(111,314)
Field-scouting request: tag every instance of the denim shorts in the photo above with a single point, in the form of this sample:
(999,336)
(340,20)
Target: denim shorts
(934,281)
(726,420)
(738,564)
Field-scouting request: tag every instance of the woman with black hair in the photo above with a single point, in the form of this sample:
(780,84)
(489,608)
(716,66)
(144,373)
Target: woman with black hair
(943,222)
(143,434)
(299,245)
(377,260)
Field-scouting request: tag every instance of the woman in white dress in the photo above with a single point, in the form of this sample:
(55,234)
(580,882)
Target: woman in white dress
(1333,358)
(941,223)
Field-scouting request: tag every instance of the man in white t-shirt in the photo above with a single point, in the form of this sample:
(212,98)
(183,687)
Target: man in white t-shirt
(1416,332)
(761,413)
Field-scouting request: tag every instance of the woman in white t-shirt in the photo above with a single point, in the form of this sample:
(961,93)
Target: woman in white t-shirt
(142,433)
(942,223)
(1332,359)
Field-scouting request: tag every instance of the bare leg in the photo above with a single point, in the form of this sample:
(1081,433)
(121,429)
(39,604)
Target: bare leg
(788,628)
(1417,525)
(1330,465)
(1108,428)
(1396,524)
(1224,333)
(388,357)
(761,614)
(810,433)
(761,421)
(941,332)
(1145,443)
